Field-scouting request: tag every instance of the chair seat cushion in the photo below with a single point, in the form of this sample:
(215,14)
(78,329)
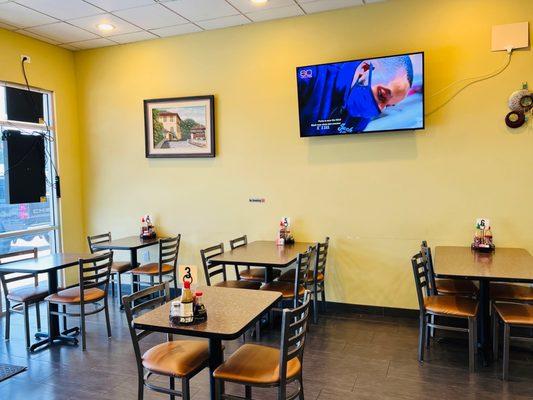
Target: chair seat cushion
(72,295)
(285,288)
(152,269)
(515,314)
(455,306)
(120,267)
(289,276)
(28,293)
(456,287)
(177,358)
(257,274)
(239,284)
(509,291)
(255,364)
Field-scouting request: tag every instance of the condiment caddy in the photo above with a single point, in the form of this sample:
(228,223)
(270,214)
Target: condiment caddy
(483,240)
(189,309)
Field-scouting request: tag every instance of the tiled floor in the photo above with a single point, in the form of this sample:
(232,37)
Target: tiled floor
(347,356)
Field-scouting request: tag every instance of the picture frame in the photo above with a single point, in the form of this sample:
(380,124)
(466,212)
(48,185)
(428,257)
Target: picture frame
(180,127)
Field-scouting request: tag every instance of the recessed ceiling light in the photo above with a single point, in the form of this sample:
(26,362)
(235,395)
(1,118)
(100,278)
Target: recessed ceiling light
(105,27)
(259,1)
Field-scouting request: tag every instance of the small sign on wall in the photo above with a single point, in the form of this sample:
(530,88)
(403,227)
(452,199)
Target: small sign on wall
(187,273)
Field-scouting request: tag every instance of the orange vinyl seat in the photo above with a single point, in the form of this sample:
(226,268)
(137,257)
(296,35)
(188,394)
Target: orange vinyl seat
(73,296)
(451,305)
(176,358)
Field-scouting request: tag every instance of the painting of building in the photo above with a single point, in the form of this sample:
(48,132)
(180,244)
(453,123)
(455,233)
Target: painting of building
(171,125)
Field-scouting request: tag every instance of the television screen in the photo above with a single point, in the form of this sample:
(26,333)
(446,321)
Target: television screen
(362,96)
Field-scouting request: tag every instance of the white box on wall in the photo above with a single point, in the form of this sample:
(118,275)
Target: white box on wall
(510,36)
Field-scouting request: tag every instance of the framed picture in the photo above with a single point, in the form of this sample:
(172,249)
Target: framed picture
(180,127)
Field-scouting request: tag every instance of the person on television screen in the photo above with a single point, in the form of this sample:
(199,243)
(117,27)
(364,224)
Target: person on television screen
(345,97)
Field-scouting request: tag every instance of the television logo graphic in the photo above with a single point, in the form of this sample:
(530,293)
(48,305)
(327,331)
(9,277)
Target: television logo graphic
(306,73)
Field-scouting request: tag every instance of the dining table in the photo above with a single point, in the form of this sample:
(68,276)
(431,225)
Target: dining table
(49,264)
(230,313)
(503,264)
(263,253)
(131,244)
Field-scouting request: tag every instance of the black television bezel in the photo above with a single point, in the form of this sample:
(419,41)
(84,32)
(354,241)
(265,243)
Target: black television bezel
(378,131)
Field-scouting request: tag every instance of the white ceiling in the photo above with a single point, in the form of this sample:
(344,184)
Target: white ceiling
(73,23)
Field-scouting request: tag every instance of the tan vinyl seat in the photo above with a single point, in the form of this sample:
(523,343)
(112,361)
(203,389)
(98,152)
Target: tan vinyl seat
(28,294)
(289,276)
(285,288)
(120,267)
(152,269)
(255,364)
(72,295)
(456,287)
(257,274)
(509,291)
(451,305)
(515,314)
(177,358)
(239,284)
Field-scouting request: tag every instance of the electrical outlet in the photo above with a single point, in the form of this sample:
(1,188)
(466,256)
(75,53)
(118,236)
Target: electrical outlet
(25,57)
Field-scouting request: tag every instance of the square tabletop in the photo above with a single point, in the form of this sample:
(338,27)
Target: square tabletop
(263,253)
(503,264)
(230,312)
(45,263)
(126,243)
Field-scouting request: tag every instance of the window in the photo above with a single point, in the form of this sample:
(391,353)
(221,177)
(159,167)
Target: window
(25,226)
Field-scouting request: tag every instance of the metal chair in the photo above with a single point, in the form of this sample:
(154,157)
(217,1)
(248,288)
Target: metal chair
(316,279)
(510,315)
(181,359)
(93,274)
(167,264)
(261,366)
(294,290)
(219,270)
(117,269)
(250,274)
(18,300)
(443,306)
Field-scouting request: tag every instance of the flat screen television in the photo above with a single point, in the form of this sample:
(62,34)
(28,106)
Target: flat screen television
(362,96)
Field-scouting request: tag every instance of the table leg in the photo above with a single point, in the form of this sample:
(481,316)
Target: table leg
(269,274)
(484,320)
(54,333)
(216,357)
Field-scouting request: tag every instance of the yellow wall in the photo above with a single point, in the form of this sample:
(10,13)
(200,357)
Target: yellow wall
(52,68)
(376,195)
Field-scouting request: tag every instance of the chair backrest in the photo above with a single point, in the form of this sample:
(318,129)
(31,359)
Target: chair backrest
(303,266)
(321,259)
(96,239)
(426,254)
(293,332)
(211,270)
(94,272)
(6,278)
(420,273)
(168,253)
(236,243)
(154,296)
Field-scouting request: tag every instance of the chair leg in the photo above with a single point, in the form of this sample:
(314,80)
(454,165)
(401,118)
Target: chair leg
(495,334)
(82,326)
(282,392)
(421,337)
(119,279)
(140,388)
(107,321)
(301,387)
(172,385)
(247,392)
(50,340)
(471,344)
(26,324)
(8,319)
(315,303)
(112,279)
(175,283)
(258,330)
(506,340)
(428,331)
(185,389)
(218,389)
(38,316)
(323,295)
